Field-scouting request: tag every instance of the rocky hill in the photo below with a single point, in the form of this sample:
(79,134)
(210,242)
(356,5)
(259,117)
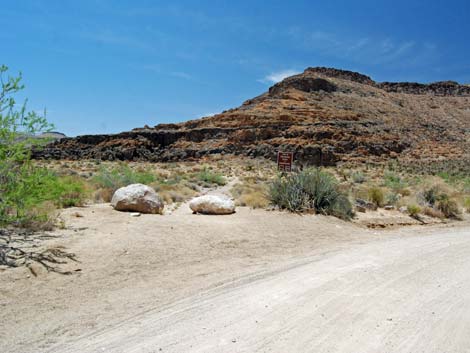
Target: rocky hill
(325,115)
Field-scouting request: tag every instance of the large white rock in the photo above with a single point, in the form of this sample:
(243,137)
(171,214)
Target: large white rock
(212,204)
(137,198)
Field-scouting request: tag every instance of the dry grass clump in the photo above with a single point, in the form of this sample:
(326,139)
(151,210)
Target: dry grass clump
(251,192)
(176,193)
(432,212)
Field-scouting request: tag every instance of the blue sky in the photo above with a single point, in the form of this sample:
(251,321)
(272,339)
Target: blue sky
(102,66)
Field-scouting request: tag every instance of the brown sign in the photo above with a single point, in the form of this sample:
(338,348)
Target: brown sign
(284,161)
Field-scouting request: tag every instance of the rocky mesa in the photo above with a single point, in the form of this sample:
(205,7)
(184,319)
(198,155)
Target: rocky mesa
(324,115)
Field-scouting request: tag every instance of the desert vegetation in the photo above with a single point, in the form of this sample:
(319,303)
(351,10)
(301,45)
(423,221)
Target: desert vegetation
(311,189)
(27,191)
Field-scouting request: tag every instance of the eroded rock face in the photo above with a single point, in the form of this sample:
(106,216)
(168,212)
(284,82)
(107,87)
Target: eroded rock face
(212,204)
(304,84)
(137,198)
(325,116)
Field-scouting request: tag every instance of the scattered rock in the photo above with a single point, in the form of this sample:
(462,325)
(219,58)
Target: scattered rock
(212,204)
(403,209)
(361,209)
(389,207)
(137,198)
(367,205)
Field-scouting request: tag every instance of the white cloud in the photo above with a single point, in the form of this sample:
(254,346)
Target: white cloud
(278,76)
(181,74)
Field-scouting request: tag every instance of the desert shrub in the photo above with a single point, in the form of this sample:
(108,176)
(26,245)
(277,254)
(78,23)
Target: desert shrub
(376,195)
(113,178)
(414,210)
(172,192)
(431,195)
(24,198)
(466,204)
(26,188)
(358,177)
(210,177)
(392,198)
(311,189)
(394,182)
(250,193)
(432,212)
(448,207)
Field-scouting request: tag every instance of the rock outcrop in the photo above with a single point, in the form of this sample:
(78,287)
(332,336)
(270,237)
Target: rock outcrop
(212,204)
(324,115)
(137,198)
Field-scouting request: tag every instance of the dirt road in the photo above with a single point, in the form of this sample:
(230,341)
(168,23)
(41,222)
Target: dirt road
(404,294)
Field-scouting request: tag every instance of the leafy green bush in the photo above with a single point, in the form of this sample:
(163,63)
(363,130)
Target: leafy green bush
(376,195)
(210,177)
(121,175)
(24,187)
(311,189)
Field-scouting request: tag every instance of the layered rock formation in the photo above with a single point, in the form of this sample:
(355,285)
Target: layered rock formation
(324,115)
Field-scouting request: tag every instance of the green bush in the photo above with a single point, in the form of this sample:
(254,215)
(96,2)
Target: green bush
(414,211)
(466,204)
(24,196)
(311,189)
(210,177)
(394,182)
(121,175)
(376,195)
(24,187)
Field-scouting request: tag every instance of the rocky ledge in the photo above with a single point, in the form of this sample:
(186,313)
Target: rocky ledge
(324,115)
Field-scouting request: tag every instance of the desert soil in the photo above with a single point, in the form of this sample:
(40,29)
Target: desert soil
(254,281)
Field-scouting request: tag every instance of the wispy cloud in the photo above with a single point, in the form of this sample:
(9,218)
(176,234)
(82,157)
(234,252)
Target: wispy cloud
(363,50)
(160,71)
(180,74)
(278,76)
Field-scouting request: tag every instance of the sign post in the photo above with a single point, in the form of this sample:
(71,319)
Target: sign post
(284,161)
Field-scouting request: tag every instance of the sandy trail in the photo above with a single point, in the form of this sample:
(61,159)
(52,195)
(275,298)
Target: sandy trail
(254,281)
(400,295)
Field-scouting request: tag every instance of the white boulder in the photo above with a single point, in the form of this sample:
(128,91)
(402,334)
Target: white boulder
(212,204)
(137,198)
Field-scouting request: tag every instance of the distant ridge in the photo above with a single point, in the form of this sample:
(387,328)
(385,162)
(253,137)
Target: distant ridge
(324,115)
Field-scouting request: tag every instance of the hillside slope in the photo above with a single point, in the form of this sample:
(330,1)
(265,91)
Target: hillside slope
(324,115)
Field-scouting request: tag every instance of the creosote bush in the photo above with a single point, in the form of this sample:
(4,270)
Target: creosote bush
(25,188)
(376,195)
(414,210)
(311,189)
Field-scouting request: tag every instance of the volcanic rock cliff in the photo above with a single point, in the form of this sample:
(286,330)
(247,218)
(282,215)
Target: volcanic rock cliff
(324,115)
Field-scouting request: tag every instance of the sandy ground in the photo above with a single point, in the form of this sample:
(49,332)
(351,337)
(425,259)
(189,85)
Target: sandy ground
(255,281)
